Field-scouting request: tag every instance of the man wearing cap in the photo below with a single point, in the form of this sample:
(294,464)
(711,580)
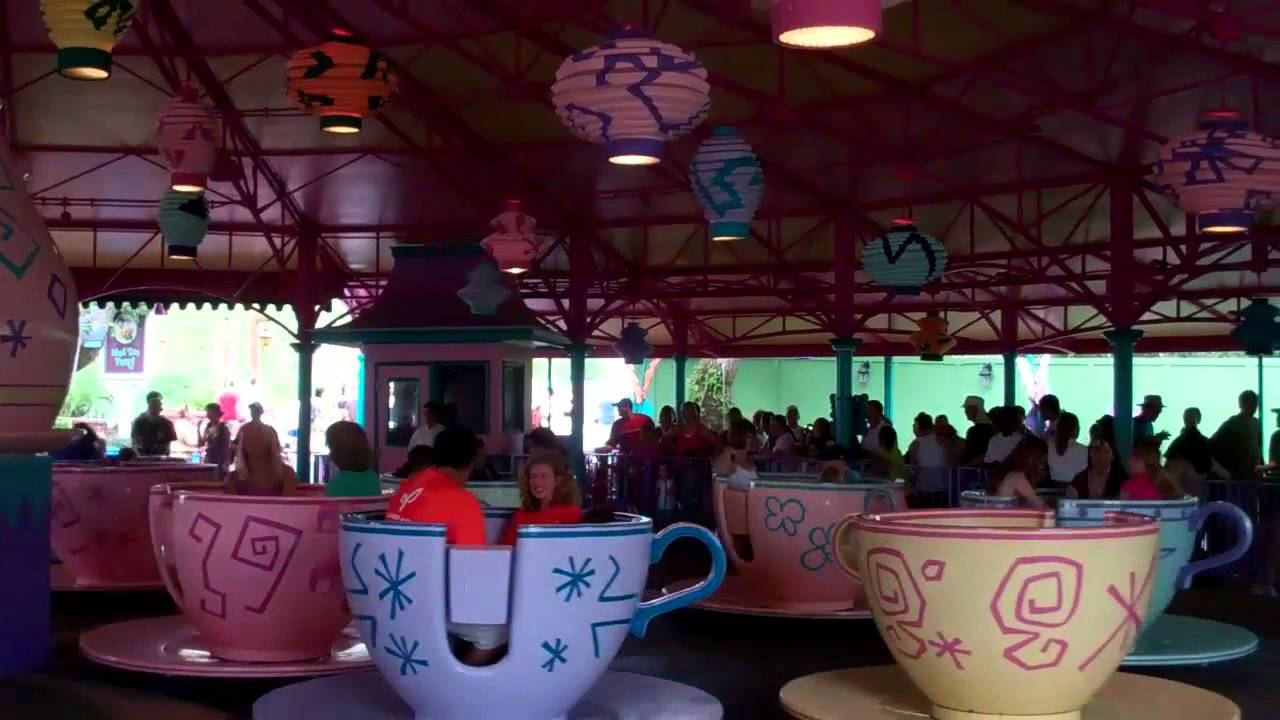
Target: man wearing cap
(152,432)
(1144,422)
(979,434)
(625,434)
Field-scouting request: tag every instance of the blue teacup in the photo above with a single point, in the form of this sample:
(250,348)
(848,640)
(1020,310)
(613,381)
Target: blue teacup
(1180,522)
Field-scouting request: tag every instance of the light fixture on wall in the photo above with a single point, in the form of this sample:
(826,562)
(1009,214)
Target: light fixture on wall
(985,375)
(825,24)
(864,372)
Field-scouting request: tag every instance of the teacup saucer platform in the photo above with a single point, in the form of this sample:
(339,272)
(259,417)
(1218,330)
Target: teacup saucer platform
(738,596)
(171,646)
(885,693)
(1182,640)
(366,695)
(61,579)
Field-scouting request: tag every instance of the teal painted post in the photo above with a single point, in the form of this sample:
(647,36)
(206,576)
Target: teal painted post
(681,361)
(844,347)
(359,413)
(1122,341)
(577,412)
(1010,378)
(306,351)
(888,387)
(25,635)
(1262,415)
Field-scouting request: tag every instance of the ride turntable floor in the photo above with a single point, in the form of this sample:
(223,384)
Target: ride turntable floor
(744,661)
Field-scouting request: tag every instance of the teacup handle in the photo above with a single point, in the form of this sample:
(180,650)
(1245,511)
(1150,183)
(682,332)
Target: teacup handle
(164,549)
(722,522)
(651,609)
(1244,535)
(874,493)
(844,538)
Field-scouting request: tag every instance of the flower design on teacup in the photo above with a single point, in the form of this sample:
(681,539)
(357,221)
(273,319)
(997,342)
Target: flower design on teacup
(783,515)
(819,555)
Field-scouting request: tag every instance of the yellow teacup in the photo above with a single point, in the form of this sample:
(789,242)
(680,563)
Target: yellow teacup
(996,613)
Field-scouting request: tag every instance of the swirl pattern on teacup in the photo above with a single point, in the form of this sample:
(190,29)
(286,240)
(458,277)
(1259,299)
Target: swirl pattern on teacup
(896,592)
(1037,594)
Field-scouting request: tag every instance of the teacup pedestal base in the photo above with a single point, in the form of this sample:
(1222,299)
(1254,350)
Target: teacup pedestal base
(367,696)
(61,579)
(885,692)
(739,596)
(1182,640)
(171,646)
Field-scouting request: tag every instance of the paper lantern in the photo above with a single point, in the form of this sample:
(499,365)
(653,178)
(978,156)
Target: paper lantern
(187,134)
(485,290)
(39,314)
(1259,328)
(903,260)
(728,181)
(932,340)
(514,243)
(632,344)
(341,81)
(818,24)
(631,94)
(184,220)
(1223,173)
(86,31)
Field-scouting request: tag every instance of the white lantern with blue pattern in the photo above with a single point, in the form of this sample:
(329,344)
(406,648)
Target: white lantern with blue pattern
(1223,173)
(728,180)
(903,260)
(632,94)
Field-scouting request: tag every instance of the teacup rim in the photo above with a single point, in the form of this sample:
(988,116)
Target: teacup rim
(74,468)
(183,492)
(374,523)
(1116,502)
(901,523)
(767,484)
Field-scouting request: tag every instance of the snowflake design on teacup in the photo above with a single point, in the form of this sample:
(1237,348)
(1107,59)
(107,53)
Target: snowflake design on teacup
(819,555)
(783,515)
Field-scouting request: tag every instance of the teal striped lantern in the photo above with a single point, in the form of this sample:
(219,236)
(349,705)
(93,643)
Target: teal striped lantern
(184,220)
(728,180)
(904,259)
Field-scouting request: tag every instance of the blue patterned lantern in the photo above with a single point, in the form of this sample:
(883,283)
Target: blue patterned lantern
(728,180)
(631,93)
(1259,328)
(903,260)
(1224,174)
(184,220)
(485,290)
(633,345)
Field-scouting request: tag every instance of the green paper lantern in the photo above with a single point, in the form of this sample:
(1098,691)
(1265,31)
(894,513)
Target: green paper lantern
(184,220)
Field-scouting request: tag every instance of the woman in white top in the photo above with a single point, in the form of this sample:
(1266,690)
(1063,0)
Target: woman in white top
(1067,458)
(1008,435)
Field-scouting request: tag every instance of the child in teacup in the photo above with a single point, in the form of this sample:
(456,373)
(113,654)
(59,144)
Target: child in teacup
(439,495)
(1020,472)
(1148,480)
(548,496)
(736,463)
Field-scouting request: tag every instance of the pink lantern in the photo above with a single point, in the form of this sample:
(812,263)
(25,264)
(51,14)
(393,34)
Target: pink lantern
(187,134)
(514,243)
(1223,173)
(816,24)
(631,93)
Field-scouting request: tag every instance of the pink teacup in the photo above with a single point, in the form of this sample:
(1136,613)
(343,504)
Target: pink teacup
(258,577)
(789,521)
(98,519)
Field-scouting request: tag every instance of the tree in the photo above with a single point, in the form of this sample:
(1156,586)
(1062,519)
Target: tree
(711,386)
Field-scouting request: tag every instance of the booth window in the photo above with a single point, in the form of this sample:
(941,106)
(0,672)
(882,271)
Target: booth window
(404,403)
(465,386)
(513,412)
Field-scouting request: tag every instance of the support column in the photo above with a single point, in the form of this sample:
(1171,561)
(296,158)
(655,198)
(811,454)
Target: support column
(358,415)
(577,411)
(306,351)
(680,342)
(1262,413)
(1010,374)
(681,361)
(1122,341)
(888,387)
(845,348)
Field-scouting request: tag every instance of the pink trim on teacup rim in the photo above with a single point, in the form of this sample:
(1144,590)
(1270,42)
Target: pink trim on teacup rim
(132,468)
(310,497)
(1118,525)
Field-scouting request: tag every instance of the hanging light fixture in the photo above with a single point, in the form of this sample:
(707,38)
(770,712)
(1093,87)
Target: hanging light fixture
(633,344)
(728,181)
(514,243)
(824,24)
(86,31)
(187,134)
(485,290)
(631,93)
(184,220)
(341,81)
(903,260)
(1223,173)
(932,340)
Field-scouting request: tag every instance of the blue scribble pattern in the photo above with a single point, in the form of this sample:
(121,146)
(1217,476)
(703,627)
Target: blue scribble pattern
(395,582)
(555,654)
(578,578)
(400,649)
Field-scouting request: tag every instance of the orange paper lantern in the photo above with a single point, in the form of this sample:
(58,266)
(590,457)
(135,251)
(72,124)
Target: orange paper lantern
(341,81)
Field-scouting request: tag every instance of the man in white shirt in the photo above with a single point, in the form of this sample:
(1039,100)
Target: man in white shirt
(875,421)
(429,428)
(1007,437)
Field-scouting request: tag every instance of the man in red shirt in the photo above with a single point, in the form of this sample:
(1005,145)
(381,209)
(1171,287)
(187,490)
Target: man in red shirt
(625,433)
(439,493)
